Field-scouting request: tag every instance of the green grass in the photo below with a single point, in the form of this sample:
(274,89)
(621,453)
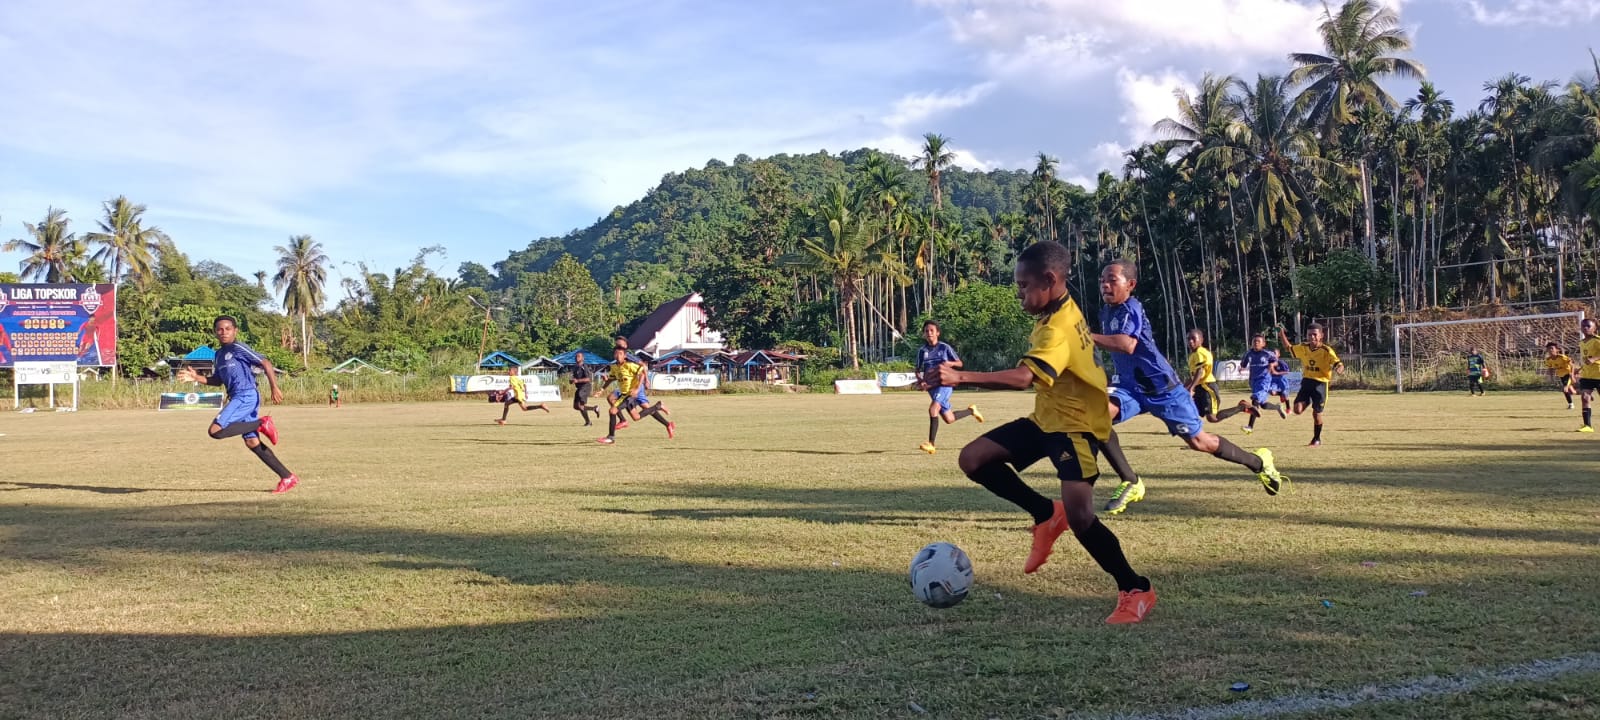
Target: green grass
(433,564)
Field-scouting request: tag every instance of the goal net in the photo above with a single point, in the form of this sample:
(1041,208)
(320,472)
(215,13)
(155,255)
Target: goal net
(1433,355)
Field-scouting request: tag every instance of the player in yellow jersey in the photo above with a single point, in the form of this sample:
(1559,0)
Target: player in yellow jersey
(1203,382)
(517,395)
(1561,368)
(1318,364)
(1589,370)
(1070,421)
(633,381)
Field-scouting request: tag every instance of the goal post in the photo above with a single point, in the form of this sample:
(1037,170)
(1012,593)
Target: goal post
(1432,355)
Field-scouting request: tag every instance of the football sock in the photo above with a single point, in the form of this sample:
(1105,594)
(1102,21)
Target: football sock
(959,414)
(612,432)
(933,429)
(1103,546)
(1316,433)
(1587,415)
(236,429)
(1237,455)
(1000,479)
(1569,396)
(1112,449)
(661,418)
(1228,413)
(267,456)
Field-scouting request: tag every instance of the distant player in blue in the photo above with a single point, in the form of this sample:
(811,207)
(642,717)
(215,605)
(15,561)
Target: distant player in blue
(235,372)
(1280,383)
(1258,361)
(929,357)
(1146,383)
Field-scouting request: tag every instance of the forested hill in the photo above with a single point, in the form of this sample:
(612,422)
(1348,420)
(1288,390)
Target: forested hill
(690,217)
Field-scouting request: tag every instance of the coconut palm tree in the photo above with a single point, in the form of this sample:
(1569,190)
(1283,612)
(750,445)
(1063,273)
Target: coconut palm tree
(1357,45)
(935,159)
(847,249)
(301,277)
(52,249)
(125,243)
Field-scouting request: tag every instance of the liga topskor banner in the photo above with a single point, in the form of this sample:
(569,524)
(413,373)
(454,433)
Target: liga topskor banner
(58,323)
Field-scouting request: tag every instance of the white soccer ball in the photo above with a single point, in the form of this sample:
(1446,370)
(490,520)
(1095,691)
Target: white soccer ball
(941,575)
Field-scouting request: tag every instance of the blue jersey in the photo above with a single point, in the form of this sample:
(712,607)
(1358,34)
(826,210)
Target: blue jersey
(1257,362)
(1146,369)
(930,357)
(236,364)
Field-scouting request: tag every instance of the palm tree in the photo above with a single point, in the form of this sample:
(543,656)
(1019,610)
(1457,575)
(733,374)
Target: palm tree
(302,274)
(1356,43)
(126,243)
(935,159)
(52,250)
(1203,118)
(848,249)
(1041,188)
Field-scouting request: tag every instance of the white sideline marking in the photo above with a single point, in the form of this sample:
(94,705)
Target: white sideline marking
(1415,690)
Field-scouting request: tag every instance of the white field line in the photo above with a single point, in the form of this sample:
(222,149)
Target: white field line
(1427,687)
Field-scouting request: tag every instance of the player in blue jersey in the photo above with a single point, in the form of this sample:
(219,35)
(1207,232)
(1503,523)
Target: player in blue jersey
(1258,362)
(929,357)
(1146,383)
(1279,387)
(235,371)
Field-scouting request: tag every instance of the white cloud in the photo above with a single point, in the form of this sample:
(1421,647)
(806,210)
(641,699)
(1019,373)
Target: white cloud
(1149,99)
(1082,36)
(914,109)
(1534,12)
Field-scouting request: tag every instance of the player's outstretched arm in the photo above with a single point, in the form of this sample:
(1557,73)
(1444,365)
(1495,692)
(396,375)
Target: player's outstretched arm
(1017,378)
(1283,338)
(272,380)
(187,374)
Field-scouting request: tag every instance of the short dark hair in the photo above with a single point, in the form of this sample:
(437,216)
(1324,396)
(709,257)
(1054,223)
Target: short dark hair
(926,323)
(1587,322)
(1317,326)
(1198,331)
(1130,269)
(1552,346)
(1047,256)
(229,318)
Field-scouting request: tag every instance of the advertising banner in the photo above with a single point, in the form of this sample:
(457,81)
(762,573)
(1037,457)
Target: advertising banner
(857,387)
(667,382)
(190,401)
(56,323)
(1229,370)
(46,373)
(896,380)
(537,391)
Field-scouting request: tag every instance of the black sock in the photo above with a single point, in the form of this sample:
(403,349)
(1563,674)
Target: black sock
(612,432)
(664,421)
(1316,433)
(933,429)
(236,429)
(1269,406)
(1569,397)
(959,414)
(1228,413)
(271,459)
(1103,546)
(1586,418)
(1253,417)
(1112,450)
(1235,454)
(1001,480)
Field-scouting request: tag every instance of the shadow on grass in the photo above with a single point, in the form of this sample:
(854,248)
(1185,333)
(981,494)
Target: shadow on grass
(108,490)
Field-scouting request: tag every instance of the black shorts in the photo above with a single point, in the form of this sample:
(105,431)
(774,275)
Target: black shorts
(1313,393)
(1565,380)
(580,393)
(1588,384)
(1074,454)
(630,402)
(1206,399)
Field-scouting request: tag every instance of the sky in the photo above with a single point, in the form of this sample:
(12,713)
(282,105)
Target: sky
(380,128)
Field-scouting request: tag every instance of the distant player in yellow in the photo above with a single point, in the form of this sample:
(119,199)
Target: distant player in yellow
(1318,364)
(1203,382)
(518,395)
(1069,424)
(1561,368)
(633,382)
(1589,370)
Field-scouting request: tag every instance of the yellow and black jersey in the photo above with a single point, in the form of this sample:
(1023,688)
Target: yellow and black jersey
(519,389)
(1071,388)
(1589,360)
(628,375)
(1200,364)
(1316,364)
(1559,366)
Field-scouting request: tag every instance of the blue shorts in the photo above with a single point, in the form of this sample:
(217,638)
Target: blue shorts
(941,395)
(1174,407)
(1261,392)
(1278,385)
(240,408)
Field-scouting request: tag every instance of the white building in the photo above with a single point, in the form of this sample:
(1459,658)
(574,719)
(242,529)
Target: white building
(676,325)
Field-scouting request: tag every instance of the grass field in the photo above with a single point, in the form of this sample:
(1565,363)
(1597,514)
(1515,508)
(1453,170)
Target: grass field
(433,564)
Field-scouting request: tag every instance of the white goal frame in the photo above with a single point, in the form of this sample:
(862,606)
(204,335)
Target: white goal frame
(1399,366)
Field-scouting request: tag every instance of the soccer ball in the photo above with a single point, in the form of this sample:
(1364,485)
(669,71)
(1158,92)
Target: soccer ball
(941,575)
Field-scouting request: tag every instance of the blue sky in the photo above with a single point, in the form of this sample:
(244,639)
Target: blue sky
(479,125)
